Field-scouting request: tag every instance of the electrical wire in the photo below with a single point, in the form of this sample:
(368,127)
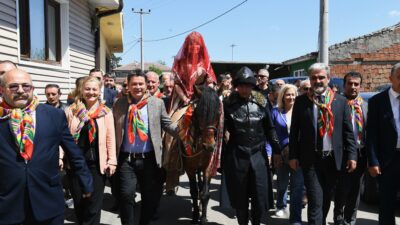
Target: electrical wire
(130,48)
(201,25)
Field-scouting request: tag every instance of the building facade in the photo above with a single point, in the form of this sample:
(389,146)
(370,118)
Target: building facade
(57,41)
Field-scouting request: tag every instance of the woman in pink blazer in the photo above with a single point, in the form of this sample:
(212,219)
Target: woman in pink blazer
(92,125)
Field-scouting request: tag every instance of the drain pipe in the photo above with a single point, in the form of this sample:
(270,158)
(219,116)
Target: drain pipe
(97,32)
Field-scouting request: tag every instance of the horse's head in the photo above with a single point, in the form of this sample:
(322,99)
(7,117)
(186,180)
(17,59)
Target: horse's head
(206,117)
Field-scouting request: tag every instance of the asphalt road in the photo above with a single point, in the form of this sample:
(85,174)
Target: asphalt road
(176,210)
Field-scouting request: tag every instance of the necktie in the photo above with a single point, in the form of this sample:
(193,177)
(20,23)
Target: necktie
(319,138)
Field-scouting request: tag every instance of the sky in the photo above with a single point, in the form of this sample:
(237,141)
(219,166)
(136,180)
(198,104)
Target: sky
(262,30)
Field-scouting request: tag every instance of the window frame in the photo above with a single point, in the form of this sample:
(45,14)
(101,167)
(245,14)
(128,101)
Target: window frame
(25,34)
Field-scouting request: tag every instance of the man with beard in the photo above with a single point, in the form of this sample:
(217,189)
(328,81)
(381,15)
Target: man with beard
(53,94)
(347,196)
(321,136)
(30,136)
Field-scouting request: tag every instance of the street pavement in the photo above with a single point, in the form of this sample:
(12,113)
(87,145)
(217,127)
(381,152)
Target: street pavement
(176,210)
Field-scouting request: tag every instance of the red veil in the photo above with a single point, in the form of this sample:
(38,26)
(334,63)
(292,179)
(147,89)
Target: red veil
(192,55)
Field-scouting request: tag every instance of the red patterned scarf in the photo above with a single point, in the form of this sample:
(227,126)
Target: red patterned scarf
(356,111)
(325,115)
(79,110)
(136,125)
(158,94)
(22,126)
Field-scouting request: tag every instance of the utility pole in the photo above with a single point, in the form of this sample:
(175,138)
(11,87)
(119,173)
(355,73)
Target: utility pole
(323,32)
(141,12)
(232,46)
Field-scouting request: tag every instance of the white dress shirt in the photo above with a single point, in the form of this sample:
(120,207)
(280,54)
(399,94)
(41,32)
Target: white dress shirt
(326,140)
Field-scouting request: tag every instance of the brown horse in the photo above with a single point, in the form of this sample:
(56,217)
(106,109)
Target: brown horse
(200,132)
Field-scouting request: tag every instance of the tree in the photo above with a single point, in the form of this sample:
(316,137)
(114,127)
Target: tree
(155,69)
(114,61)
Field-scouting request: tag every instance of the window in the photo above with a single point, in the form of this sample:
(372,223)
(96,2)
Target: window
(299,73)
(40,30)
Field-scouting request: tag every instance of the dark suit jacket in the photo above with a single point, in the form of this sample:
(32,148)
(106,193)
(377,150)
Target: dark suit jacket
(38,180)
(109,96)
(303,132)
(381,131)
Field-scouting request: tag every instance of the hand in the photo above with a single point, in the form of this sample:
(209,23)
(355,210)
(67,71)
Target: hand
(374,171)
(277,160)
(351,165)
(186,100)
(61,164)
(110,170)
(86,195)
(294,164)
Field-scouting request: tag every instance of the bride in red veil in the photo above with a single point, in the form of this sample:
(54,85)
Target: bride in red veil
(191,67)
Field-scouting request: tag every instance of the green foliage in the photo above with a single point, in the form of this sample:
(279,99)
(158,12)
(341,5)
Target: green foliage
(114,61)
(155,69)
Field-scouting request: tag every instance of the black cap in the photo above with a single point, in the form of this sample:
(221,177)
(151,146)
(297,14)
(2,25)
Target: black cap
(244,76)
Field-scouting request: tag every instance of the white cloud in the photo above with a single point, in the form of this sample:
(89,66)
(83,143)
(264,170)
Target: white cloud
(394,13)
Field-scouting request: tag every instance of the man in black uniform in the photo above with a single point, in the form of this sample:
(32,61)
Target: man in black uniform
(245,164)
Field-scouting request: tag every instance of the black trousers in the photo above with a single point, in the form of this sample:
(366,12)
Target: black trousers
(88,210)
(149,176)
(320,180)
(389,183)
(347,194)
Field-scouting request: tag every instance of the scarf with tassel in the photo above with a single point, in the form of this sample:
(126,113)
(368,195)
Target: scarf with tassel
(84,115)
(136,125)
(22,126)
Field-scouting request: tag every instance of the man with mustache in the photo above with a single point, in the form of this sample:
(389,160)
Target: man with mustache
(30,136)
(321,136)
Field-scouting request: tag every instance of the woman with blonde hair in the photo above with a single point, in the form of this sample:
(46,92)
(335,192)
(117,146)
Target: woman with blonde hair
(281,117)
(92,126)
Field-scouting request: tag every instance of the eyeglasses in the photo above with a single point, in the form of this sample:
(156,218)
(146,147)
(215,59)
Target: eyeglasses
(306,88)
(15,87)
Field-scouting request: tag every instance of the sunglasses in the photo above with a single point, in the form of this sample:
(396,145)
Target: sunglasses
(306,88)
(15,87)
(260,76)
(124,85)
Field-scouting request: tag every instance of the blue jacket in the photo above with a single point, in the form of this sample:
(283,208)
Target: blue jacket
(38,181)
(109,96)
(279,120)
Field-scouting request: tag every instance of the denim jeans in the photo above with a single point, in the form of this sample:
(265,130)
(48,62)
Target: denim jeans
(284,174)
(296,195)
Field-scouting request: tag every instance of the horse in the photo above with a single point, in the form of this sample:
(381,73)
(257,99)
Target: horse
(200,140)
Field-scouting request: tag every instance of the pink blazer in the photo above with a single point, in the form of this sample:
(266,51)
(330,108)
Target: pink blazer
(106,136)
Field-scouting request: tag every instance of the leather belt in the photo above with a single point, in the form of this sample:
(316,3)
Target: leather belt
(324,154)
(132,155)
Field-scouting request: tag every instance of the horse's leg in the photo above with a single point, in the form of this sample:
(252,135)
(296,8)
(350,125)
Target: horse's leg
(205,197)
(194,193)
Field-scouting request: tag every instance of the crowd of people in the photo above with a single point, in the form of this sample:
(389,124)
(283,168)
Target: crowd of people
(317,141)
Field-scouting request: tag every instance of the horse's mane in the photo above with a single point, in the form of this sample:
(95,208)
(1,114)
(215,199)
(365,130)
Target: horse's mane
(207,108)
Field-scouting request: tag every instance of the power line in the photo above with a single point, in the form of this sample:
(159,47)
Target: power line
(130,48)
(203,24)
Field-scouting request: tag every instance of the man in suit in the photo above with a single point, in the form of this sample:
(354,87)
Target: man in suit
(30,136)
(347,196)
(108,95)
(139,118)
(383,145)
(321,135)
